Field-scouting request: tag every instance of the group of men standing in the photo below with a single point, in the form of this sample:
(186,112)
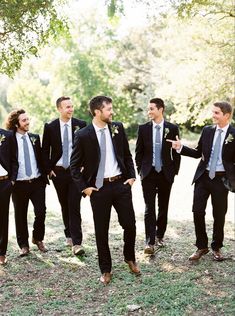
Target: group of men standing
(95,161)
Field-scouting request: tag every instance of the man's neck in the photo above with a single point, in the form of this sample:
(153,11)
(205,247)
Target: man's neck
(158,120)
(64,120)
(99,123)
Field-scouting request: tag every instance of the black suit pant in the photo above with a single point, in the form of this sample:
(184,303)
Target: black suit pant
(5,192)
(70,199)
(119,196)
(23,192)
(155,184)
(205,187)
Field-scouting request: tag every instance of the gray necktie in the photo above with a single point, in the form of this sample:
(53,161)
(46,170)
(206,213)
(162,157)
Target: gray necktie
(100,174)
(27,162)
(158,162)
(215,155)
(65,156)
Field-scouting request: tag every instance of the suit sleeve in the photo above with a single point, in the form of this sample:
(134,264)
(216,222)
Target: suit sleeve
(193,152)
(76,163)
(13,158)
(176,156)
(46,148)
(139,150)
(128,157)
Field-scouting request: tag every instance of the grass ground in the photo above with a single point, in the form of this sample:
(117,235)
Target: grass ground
(57,283)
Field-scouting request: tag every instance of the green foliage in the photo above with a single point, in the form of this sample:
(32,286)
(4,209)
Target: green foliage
(24,26)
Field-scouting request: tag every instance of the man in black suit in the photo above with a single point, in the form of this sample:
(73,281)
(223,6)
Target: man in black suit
(216,148)
(30,182)
(8,173)
(102,168)
(57,145)
(157,165)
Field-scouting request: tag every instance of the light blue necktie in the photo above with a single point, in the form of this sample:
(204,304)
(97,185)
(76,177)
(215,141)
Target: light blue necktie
(100,174)
(215,155)
(27,162)
(158,162)
(65,155)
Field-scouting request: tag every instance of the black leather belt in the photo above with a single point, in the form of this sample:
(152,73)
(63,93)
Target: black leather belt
(27,181)
(60,168)
(112,179)
(218,173)
(3,178)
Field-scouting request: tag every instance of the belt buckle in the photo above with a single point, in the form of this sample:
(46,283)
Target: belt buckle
(111,179)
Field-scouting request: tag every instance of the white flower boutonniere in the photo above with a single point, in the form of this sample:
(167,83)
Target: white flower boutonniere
(166,132)
(76,128)
(114,130)
(229,139)
(2,138)
(33,140)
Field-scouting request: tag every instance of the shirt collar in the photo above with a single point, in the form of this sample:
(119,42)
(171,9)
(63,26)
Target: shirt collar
(69,123)
(160,124)
(19,135)
(224,129)
(97,129)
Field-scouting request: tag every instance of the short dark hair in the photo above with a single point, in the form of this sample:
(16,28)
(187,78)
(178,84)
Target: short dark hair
(12,120)
(224,106)
(158,102)
(58,101)
(96,103)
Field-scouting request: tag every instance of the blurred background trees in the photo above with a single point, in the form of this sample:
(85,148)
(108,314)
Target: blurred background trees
(181,51)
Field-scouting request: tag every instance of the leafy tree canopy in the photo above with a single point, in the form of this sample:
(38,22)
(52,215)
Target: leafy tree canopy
(24,26)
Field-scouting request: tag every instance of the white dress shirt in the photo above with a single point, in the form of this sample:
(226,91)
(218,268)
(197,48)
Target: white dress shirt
(111,165)
(21,171)
(219,165)
(70,139)
(154,137)
(3,172)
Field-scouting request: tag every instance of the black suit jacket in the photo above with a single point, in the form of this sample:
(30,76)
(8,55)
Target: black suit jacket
(36,143)
(52,143)
(8,158)
(144,150)
(203,151)
(85,157)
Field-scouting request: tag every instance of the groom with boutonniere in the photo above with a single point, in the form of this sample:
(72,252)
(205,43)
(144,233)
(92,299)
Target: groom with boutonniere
(215,176)
(102,168)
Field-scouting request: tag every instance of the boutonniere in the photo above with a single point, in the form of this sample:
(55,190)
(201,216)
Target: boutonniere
(76,128)
(114,130)
(166,132)
(229,139)
(33,139)
(2,138)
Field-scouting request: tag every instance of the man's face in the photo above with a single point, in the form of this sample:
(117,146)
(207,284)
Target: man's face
(219,117)
(106,113)
(23,125)
(153,112)
(66,110)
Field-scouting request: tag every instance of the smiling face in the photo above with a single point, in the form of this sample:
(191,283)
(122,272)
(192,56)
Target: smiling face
(105,114)
(66,110)
(154,113)
(219,118)
(23,123)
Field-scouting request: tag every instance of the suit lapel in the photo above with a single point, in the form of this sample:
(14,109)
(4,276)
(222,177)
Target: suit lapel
(113,138)
(93,137)
(58,133)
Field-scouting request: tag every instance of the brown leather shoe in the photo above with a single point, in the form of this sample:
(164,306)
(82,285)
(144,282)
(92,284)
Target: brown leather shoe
(217,255)
(24,251)
(78,250)
(198,253)
(3,260)
(40,245)
(149,250)
(69,242)
(160,242)
(133,267)
(106,278)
